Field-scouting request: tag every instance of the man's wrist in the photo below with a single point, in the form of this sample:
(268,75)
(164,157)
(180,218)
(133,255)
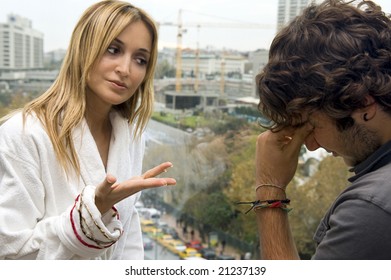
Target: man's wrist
(267,192)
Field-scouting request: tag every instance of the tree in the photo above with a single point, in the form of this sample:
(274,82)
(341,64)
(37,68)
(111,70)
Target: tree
(9,103)
(164,70)
(311,200)
(213,175)
(211,208)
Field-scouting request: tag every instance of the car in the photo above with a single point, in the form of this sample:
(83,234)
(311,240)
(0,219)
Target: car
(225,257)
(149,213)
(171,231)
(161,224)
(148,226)
(194,258)
(165,239)
(176,246)
(208,253)
(148,243)
(139,205)
(195,244)
(189,252)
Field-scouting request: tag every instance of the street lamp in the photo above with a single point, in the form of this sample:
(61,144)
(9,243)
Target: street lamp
(156,221)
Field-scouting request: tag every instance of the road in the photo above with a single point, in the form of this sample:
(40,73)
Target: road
(160,133)
(159,253)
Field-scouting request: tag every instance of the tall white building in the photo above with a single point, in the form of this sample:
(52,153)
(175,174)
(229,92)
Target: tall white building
(21,47)
(289,9)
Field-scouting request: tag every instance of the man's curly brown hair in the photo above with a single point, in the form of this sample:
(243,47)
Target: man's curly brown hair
(328,59)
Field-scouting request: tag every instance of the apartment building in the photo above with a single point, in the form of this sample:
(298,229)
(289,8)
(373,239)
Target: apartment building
(289,9)
(21,46)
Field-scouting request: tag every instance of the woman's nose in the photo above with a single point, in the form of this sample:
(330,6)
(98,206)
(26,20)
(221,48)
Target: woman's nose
(123,67)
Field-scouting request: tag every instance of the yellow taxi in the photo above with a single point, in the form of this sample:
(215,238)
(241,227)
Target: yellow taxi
(189,253)
(176,246)
(165,239)
(148,226)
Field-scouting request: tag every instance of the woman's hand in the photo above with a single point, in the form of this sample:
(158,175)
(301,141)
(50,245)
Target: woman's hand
(109,192)
(277,155)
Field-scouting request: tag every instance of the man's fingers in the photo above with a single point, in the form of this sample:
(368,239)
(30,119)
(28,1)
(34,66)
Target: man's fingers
(289,138)
(301,134)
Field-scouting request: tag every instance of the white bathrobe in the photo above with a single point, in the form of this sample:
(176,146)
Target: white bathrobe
(38,209)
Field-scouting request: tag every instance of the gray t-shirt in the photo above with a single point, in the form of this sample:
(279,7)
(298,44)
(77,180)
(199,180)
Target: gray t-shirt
(358,224)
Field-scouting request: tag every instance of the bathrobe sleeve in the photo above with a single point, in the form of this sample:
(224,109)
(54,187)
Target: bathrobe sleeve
(130,246)
(40,216)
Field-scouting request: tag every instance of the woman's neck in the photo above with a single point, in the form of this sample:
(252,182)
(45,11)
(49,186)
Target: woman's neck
(100,128)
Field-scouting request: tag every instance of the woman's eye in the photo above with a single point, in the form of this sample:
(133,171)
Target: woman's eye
(141,61)
(113,50)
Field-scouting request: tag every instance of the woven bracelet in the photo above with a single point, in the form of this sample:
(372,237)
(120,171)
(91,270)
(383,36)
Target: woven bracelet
(269,185)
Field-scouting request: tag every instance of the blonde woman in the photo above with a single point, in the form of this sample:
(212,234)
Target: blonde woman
(71,161)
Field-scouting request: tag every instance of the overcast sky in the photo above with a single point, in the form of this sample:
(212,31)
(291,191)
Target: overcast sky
(57,18)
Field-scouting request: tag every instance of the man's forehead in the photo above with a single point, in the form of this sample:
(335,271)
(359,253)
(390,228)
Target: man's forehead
(311,117)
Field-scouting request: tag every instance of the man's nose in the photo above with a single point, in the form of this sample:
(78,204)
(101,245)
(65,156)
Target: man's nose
(311,143)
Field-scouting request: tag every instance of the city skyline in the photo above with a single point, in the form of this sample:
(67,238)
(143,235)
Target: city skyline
(56,19)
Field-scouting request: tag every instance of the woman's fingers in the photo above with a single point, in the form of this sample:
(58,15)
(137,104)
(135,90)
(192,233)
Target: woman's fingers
(157,170)
(107,184)
(152,183)
(102,192)
(110,192)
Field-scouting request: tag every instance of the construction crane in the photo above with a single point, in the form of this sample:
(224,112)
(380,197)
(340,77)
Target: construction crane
(181,30)
(178,86)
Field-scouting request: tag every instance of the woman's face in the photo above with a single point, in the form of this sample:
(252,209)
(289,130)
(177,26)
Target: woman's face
(120,71)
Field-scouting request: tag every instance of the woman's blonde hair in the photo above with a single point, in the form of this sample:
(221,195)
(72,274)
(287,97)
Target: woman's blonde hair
(63,105)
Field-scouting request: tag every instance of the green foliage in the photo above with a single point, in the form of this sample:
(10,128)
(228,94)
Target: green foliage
(249,111)
(182,122)
(211,208)
(218,123)
(164,70)
(241,162)
(227,124)
(311,200)
(212,202)
(10,102)
(5,99)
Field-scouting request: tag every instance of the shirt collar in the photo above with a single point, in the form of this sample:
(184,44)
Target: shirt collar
(379,158)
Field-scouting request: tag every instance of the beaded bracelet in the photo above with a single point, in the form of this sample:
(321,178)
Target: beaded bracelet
(282,204)
(274,203)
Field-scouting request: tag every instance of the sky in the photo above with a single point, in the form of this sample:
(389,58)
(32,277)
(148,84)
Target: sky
(57,18)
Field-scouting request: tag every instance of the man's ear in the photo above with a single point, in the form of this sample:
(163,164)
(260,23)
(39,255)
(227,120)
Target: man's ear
(368,112)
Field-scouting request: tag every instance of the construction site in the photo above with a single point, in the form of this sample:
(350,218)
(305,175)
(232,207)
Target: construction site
(206,78)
